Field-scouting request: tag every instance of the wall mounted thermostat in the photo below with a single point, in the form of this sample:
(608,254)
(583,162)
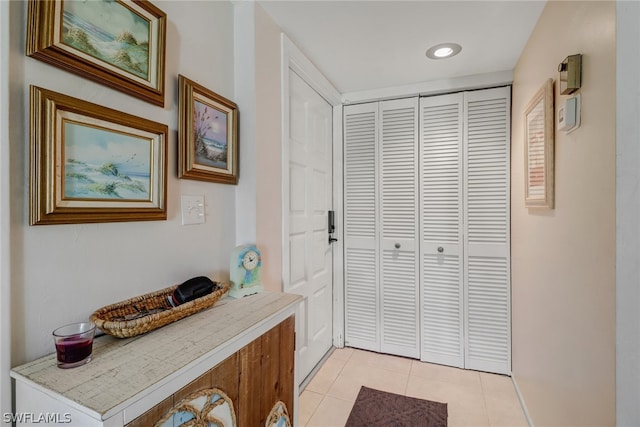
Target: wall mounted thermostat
(569,114)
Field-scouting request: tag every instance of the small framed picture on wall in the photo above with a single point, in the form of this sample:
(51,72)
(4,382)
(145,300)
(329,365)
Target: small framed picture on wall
(539,148)
(207,134)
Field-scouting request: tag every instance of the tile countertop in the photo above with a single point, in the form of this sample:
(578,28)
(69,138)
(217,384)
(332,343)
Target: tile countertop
(121,369)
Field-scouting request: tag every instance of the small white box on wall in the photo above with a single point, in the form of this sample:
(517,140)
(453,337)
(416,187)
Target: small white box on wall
(569,114)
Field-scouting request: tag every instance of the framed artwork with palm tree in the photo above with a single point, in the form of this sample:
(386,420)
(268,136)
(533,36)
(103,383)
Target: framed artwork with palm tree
(207,134)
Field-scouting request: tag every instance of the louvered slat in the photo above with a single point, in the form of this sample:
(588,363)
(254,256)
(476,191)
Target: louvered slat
(442,310)
(360,190)
(398,172)
(486,173)
(361,303)
(399,314)
(487,271)
(487,318)
(440,163)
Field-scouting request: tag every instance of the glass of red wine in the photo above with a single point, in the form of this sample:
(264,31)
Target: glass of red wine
(74,343)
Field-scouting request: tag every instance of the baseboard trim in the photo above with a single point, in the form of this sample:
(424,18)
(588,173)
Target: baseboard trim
(522,403)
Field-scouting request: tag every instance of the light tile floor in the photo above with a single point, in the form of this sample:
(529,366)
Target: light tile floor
(473,398)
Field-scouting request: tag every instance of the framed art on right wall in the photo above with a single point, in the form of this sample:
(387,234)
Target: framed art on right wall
(539,148)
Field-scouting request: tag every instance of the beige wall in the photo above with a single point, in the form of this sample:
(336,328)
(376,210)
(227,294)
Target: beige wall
(60,274)
(268,149)
(563,260)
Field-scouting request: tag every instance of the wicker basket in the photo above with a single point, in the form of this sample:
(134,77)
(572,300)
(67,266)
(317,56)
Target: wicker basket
(147,312)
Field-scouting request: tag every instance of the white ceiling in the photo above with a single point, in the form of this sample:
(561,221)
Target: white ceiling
(365,45)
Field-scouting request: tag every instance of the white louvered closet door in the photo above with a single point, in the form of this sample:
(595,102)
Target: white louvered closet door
(361,227)
(427,269)
(398,183)
(487,230)
(441,226)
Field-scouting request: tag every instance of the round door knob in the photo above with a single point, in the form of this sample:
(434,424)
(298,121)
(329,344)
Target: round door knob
(397,245)
(440,249)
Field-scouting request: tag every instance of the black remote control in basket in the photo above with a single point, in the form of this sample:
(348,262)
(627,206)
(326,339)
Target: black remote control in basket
(191,289)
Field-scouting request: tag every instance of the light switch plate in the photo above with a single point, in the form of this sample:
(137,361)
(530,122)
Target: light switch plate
(192,208)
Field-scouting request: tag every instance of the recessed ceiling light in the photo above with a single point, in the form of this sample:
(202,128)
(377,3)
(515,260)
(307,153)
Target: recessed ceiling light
(443,50)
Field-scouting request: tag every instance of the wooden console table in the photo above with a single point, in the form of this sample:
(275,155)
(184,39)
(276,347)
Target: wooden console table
(244,347)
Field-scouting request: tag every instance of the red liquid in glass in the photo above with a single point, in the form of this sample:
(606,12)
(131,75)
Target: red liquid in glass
(72,350)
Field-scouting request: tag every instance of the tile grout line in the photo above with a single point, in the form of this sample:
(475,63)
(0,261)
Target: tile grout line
(345,364)
(484,399)
(336,376)
(339,373)
(324,395)
(406,386)
(315,409)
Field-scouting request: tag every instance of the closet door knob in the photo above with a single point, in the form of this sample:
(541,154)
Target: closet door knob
(440,249)
(397,245)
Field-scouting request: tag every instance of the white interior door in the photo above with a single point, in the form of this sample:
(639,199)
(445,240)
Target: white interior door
(310,199)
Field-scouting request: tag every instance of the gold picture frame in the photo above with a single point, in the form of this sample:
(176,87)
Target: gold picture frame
(119,43)
(539,148)
(207,134)
(90,163)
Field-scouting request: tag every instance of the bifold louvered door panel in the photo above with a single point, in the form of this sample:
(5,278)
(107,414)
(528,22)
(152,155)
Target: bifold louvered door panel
(487,234)
(398,183)
(361,227)
(441,161)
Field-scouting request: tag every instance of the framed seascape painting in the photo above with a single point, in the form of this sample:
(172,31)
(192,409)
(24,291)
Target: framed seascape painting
(539,148)
(119,43)
(90,163)
(207,135)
